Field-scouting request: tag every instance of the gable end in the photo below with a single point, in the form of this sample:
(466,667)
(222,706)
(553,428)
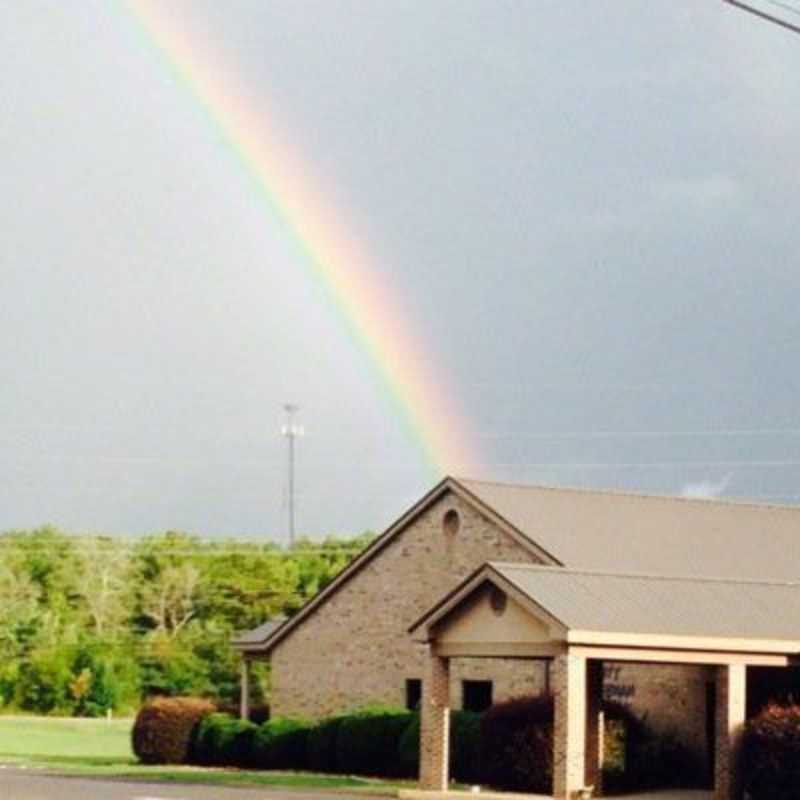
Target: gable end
(448,484)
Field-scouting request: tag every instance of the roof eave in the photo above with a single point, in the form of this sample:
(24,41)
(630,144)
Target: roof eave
(789,647)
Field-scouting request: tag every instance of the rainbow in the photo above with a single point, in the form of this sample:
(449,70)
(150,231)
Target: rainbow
(414,388)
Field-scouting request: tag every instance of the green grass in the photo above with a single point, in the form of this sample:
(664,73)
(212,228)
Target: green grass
(102,749)
(40,738)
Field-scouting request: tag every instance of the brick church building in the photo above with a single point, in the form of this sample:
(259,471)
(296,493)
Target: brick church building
(350,645)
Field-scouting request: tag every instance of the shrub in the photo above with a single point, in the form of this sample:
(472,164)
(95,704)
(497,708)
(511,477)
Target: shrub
(222,740)
(517,744)
(367,742)
(663,760)
(638,758)
(164,728)
(771,753)
(282,743)
(322,744)
(516,749)
(408,748)
(464,747)
(624,737)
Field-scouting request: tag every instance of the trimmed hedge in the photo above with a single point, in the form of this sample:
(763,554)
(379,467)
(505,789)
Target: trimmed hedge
(663,760)
(770,761)
(322,741)
(282,743)
(465,755)
(164,728)
(517,744)
(367,742)
(465,746)
(223,740)
(516,750)
(638,758)
(509,747)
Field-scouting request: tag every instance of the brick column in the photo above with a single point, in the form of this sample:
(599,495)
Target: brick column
(435,725)
(594,726)
(731,705)
(244,689)
(569,725)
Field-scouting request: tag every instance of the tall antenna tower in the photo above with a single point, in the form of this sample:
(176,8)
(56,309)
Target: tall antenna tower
(291,431)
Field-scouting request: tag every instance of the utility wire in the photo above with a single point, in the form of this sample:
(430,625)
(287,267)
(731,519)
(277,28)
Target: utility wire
(763,15)
(122,545)
(784,6)
(631,434)
(650,464)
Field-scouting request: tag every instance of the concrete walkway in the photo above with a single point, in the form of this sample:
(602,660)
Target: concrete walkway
(670,794)
(666,794)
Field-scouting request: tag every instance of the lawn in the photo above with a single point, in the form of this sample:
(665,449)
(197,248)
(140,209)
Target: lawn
(91,741)
(102,748)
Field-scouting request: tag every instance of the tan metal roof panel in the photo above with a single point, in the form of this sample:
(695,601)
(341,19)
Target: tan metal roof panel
(620,532)
(658,605)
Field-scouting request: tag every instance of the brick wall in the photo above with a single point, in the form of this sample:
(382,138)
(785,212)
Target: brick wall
(355,648)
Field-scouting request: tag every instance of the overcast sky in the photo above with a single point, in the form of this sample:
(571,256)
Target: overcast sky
(586,211)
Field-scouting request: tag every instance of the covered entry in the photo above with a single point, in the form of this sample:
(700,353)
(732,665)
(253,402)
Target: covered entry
(577,620)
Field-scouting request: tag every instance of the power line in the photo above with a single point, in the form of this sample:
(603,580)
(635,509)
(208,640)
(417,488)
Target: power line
(721,432)
(124,546)
(763,15)
(544,465)
(785,6)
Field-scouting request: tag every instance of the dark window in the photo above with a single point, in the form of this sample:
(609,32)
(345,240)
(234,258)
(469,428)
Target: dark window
(413,693)
(477,695)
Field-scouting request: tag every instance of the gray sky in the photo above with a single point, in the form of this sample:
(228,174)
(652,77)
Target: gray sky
(586,211)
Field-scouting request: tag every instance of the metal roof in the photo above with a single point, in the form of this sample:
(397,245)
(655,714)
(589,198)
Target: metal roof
(606,531)
(618,532)
(659,605)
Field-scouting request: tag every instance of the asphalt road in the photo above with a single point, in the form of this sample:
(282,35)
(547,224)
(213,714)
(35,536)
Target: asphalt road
(18,784)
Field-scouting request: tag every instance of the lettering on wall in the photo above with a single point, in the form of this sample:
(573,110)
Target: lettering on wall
(614,689)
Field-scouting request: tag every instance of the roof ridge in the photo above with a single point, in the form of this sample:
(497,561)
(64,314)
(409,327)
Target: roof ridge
(720,501)
(647,575)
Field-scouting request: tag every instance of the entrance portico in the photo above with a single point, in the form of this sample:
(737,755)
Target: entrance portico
(578,620)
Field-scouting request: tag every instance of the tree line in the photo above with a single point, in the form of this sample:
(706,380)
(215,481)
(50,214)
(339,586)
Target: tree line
(90,624)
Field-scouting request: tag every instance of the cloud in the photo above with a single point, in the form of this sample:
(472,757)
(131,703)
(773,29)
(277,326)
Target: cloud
(707,489)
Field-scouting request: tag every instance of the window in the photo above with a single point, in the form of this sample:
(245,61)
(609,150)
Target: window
(476,695)
(413,693)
